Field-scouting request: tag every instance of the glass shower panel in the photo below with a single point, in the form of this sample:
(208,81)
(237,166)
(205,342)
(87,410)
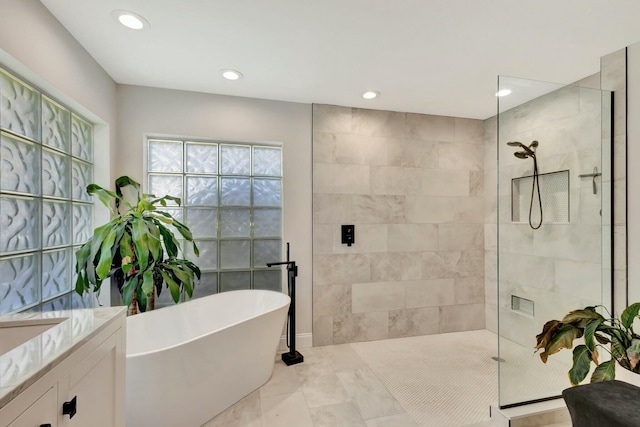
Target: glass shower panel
(553,244)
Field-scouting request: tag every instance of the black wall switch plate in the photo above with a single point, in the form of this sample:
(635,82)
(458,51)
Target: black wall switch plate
(348,234)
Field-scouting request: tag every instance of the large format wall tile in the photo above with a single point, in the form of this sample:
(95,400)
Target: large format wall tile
(360,327)
(460,236)
(395,266)
(415,321)
(332,299)
(341,179)
(412,237)
(469,290)
(378,209)
(378,123)
(412,185)
(381,296)
(361,150)
(464,317)
(395,180)
(430,293)
(413,153)
(341,269)
(454,155)
(440,182)
(469,130)
(331,118)
(430,128)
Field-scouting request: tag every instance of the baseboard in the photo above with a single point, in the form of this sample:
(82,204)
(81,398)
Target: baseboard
(302,341)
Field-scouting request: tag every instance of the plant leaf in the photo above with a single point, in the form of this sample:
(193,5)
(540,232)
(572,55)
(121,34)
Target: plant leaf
(125,181)
(128,287)
(104,265)
(581,363)
(163,200)
(620,341)
(602,339)
(170,242)
(145,205)
(122,182)
(153,240)
(139,232)
(580,318)
(633,353)
(142,299)
(606,371)
(125,246)
(548,330)
(183,230)
(82,285)
(147,280)
(182,275)
(589,333)
(104,195)
(173,286)
(629,314)
(562,338)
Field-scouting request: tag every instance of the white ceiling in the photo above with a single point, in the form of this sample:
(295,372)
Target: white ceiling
(425,56)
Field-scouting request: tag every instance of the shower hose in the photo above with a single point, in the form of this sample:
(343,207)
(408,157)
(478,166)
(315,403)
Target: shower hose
(535,183)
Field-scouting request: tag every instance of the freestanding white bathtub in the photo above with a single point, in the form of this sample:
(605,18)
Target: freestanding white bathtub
(187,363)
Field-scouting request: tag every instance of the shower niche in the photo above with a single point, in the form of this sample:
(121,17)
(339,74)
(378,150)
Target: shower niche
(554,197)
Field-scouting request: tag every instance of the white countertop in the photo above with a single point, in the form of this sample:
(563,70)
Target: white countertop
(25,364)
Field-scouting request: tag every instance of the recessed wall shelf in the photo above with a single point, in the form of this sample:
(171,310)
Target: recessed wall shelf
(554,190)
(522,305)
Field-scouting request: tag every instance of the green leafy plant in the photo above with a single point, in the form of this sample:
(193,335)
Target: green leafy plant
(615,336)
(137,249)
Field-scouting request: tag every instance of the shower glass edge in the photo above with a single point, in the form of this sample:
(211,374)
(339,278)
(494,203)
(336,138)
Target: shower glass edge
(566,264)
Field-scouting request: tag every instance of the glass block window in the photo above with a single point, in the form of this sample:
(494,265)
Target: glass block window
(232,202)
(46,163)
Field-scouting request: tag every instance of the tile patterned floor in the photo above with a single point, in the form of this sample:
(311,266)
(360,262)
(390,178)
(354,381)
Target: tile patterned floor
(403,382)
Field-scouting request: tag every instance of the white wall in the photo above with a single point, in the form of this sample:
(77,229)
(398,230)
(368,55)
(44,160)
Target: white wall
(161,112)
(36,46)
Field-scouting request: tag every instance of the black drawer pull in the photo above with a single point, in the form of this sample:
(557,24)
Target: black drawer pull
(45,425)
(69,408)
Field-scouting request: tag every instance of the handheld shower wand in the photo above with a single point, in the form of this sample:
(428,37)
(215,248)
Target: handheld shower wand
(529,151)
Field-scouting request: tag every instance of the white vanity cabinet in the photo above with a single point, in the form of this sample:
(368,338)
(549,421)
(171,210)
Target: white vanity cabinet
(85,387)
(41,413)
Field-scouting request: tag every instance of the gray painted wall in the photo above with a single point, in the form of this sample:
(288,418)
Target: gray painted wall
(144,111)
(36,46)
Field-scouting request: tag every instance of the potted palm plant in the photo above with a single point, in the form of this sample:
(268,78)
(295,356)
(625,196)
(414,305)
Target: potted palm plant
(138,249)
(613,335)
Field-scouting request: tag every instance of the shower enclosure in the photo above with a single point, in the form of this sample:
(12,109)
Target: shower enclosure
(543,273)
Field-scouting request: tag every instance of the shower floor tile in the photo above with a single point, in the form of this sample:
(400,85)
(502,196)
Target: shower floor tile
(445,380)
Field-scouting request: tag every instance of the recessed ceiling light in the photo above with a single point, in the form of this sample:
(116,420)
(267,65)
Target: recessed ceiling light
(231,74)
(370,94)
(130,19)
(503,92)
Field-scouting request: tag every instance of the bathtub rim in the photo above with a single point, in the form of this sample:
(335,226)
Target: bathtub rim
(286,301)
